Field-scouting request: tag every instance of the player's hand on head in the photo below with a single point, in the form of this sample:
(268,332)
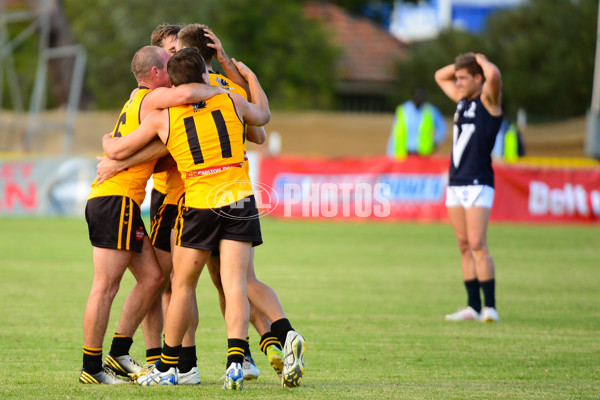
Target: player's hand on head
(217,45)
(479,57)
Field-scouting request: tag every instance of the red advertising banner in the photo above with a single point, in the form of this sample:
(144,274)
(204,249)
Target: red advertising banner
(415,189)
(546,194)
(45,186)
(352,188)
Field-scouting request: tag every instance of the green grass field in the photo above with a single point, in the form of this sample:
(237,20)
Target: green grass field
(369,298)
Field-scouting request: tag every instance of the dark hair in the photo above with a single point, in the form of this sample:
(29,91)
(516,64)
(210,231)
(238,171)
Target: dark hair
(186,66)
(193,36)
(163,31)
(469,62)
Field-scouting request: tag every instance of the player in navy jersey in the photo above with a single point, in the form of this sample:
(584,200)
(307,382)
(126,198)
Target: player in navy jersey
(475,84)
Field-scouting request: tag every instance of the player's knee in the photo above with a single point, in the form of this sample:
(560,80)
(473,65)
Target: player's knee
(478,245)
(481,252)
(107,289)
(463,246)
(155,278)
(216,280)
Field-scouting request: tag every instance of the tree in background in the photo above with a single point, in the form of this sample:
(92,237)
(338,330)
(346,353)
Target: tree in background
(289,54)
(545,50)
(112,31)
(425,58)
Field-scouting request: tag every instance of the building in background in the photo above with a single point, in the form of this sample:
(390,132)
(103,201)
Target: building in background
(368,56)
(424,20)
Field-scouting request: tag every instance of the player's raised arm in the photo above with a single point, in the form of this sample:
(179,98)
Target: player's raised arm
(119,148)
(257,112)
(444,77)
(254,134)
(491,91)
(228,67)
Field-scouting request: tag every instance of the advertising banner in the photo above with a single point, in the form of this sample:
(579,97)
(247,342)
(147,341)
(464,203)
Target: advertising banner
(375,188)
(547,194)
(415,189)
(45,186)
(354,188)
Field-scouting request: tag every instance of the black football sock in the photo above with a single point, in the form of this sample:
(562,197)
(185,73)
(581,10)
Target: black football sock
(473,295)
(489,292)
(92,360)
(280,329)
(153,355)
(235,351)
(169,358)
(247,352)
(120,345)
(187,359)
(267,340)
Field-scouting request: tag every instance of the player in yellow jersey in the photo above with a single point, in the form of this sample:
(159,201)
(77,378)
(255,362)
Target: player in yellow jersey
(207,142)
(167,189)
(266,305)
(117,232)
(199,36)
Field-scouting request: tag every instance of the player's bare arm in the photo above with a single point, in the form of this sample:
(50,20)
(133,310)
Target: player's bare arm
(156,123)
(444,77)
(256,112)
(254,134)
(162,97)
(228,67)
(491,92)
(107,167)
(165,162)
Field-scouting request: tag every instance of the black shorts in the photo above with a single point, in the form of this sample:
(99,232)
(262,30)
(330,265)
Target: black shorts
(156,200)
(115,222)
(203,229)
(162,223)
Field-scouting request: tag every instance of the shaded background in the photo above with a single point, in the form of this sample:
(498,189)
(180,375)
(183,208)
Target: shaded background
(333,71)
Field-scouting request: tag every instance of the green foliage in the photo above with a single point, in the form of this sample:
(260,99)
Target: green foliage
(544,49)
(546,53)
(112,39)
(289,54)
(425,58)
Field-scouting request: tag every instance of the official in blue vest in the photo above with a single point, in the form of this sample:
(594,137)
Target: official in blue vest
(418,128)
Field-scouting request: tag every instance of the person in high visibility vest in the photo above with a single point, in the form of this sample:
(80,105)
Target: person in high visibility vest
(418,127)
(509,144)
